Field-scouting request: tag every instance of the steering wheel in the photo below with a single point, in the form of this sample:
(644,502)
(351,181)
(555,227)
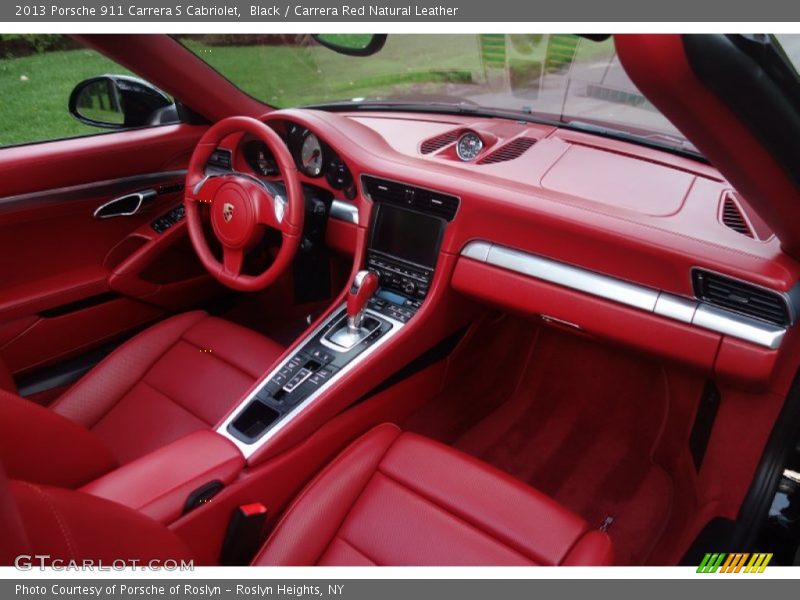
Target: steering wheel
(242,206)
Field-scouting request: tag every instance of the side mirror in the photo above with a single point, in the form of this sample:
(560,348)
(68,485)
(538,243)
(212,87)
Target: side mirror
(117,101)
(352,44)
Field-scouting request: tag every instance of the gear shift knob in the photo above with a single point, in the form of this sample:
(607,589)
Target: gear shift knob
(364,285)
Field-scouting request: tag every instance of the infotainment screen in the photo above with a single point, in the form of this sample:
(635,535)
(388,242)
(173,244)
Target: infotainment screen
(407,235)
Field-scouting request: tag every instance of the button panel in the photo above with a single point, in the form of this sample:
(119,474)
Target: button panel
(410,280)
(166,221)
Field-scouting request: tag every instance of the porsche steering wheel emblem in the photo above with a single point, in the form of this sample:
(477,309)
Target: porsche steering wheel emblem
(227,212)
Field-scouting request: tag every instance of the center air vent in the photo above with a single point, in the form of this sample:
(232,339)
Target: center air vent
(420,199)
(438,142)
(744,298)
(733,217)
(513,149)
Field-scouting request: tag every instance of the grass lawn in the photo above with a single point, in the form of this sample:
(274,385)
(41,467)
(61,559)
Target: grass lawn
(293,75)
(34,91)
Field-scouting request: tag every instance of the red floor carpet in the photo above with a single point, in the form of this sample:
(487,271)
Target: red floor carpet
(575,419)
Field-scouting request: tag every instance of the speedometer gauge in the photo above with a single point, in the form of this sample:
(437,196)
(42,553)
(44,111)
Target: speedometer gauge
(469,146)
(311,156)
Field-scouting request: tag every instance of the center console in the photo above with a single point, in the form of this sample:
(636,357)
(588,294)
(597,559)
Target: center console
(403,248)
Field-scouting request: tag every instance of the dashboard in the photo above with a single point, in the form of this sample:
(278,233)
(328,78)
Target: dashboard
(621,241)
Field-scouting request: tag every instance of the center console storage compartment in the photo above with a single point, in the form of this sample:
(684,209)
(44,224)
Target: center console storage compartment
(174,478)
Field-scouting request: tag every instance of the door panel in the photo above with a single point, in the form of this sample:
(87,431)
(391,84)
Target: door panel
(56,258)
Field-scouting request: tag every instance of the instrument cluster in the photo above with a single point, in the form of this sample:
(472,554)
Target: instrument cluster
(313,158)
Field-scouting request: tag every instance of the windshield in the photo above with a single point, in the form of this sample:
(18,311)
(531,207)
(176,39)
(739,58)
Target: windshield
(564,78)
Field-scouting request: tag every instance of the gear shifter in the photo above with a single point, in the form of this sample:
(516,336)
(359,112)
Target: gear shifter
(364,285)
(354,328)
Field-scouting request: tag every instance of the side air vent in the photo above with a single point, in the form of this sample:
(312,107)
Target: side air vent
(513,149)
(221,159)
(744,298)
(732,216)
(420,199)
(439,142)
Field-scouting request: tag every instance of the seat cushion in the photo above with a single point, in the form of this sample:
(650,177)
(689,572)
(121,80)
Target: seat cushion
(395,498)
(179,376)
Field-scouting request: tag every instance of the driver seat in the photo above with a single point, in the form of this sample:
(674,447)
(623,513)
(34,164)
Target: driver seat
(180,375)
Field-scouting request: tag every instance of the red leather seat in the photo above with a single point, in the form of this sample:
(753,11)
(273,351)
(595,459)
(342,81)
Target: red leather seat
(396,498)
(390,498)
(180,375)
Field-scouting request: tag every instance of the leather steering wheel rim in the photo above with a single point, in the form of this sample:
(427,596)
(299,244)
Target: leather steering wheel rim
(242,205)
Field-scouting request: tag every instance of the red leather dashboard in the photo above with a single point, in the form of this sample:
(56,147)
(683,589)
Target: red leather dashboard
(636,214)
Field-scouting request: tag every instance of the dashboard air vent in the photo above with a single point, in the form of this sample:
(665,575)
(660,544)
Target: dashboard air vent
(733,217)
(221,159)
(741,297)
(439,142)
(513,149)
(420,199)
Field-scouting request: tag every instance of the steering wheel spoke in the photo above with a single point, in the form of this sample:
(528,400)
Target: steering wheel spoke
(272,207)
(232,261)
(204,190)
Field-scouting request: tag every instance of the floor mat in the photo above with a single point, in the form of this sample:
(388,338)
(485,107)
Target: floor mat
(574,419)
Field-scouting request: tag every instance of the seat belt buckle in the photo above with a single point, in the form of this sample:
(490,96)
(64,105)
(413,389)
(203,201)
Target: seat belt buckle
(244,535)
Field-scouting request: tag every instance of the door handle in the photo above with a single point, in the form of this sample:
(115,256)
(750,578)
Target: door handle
(125,206)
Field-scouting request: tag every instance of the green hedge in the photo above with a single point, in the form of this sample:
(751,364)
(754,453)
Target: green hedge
(14,45)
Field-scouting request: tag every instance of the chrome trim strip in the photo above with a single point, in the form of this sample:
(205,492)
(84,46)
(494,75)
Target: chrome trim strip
(145,196)
(84,191)
(738,326)
(667,305)
(344,211)
(249,449)
(477,250)
(573,277)
(675,307)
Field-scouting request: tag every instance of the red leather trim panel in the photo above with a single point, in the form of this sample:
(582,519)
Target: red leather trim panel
(6,380)
(49,339)
(158,484)
(593,315)
(341,236)
(41,446)
(400,499)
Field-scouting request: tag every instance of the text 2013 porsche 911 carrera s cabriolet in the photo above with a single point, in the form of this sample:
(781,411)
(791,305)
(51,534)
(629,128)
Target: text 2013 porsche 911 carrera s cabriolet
(399,300)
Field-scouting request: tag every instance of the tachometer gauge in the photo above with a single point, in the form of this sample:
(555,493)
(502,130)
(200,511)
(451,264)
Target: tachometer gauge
(469,146)
(311,156)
